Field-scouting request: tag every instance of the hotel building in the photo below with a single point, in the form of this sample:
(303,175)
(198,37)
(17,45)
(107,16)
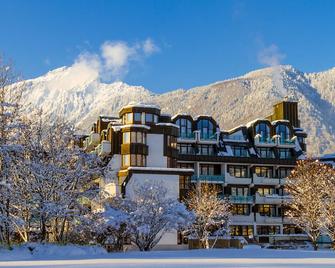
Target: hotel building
(247,165)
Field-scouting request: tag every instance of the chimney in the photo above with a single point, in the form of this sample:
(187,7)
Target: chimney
(287,110)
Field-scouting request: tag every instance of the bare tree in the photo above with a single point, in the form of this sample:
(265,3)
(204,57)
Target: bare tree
(212,214)
(307,186)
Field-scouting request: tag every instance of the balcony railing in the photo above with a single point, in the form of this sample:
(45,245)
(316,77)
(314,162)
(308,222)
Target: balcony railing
(268,218)
(187,136)
(208,178)
(208,137)
(241,199)
(229,179)
(104,148)
(265,180)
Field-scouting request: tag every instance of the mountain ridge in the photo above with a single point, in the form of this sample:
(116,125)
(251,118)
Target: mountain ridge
(78,95)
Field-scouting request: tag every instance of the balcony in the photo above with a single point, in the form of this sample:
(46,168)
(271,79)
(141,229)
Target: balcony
(190,137)
(286,143)
(104,148)
(91,141)
(234,138)
(268,219)
(265,180)
(271,199)
(235,180)
(264,142)
(240,199)
(243,219)
(217,179)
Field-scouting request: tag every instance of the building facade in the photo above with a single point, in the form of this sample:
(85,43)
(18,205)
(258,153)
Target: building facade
(247,165)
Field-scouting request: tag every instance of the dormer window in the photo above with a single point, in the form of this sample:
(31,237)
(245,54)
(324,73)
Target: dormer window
(206,128)
(185,128)
(284,132)
(263,130)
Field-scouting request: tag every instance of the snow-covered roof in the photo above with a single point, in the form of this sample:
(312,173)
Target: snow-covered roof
(134,125)
(165,114)
(140,105)
(161,169)
(179,114)
(249,124)
(167,124)
(235,128)
(280,121)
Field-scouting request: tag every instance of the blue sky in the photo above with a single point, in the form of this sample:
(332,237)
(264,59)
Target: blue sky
(164,45)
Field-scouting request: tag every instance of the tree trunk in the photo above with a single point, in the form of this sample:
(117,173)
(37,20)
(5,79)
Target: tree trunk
(315,245)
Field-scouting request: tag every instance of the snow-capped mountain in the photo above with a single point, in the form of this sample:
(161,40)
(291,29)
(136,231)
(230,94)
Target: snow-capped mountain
(232,102)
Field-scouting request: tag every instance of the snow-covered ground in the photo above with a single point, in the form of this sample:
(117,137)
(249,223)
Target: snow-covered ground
(251,256)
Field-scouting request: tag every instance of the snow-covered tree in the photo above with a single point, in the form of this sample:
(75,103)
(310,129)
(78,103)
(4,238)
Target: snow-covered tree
(149,214)
(10,126)
(307,187)
(212,213)
(53,179)
(329,202)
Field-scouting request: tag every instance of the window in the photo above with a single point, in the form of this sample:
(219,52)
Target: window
(284,153)
(206,149)
(241,230)
(263,130)
(206,128)
(126,160)
(239,191)
(241,209)
(137,117)
(126,137)
(266,191)
(185,149)
(134,137)
(267,210)
(186,165)
(185,128)
(138,160)
(284,132)
(129,118)
(284,172)
(184,182)
(292,229)
(240,151)
(155,118)
(264,172)
(171,141)
(268,229)
(206,169)
(265,152)
(238,171)
(148,118)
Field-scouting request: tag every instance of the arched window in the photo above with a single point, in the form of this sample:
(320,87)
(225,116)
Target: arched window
(263,130)
(185,128)
(284,132)
(206,128)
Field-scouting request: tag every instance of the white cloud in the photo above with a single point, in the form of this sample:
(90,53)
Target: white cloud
(149,47)
(270,55)
(116,57)
(113,61)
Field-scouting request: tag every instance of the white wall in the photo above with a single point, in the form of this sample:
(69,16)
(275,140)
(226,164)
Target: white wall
(171,182)
(156,156)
